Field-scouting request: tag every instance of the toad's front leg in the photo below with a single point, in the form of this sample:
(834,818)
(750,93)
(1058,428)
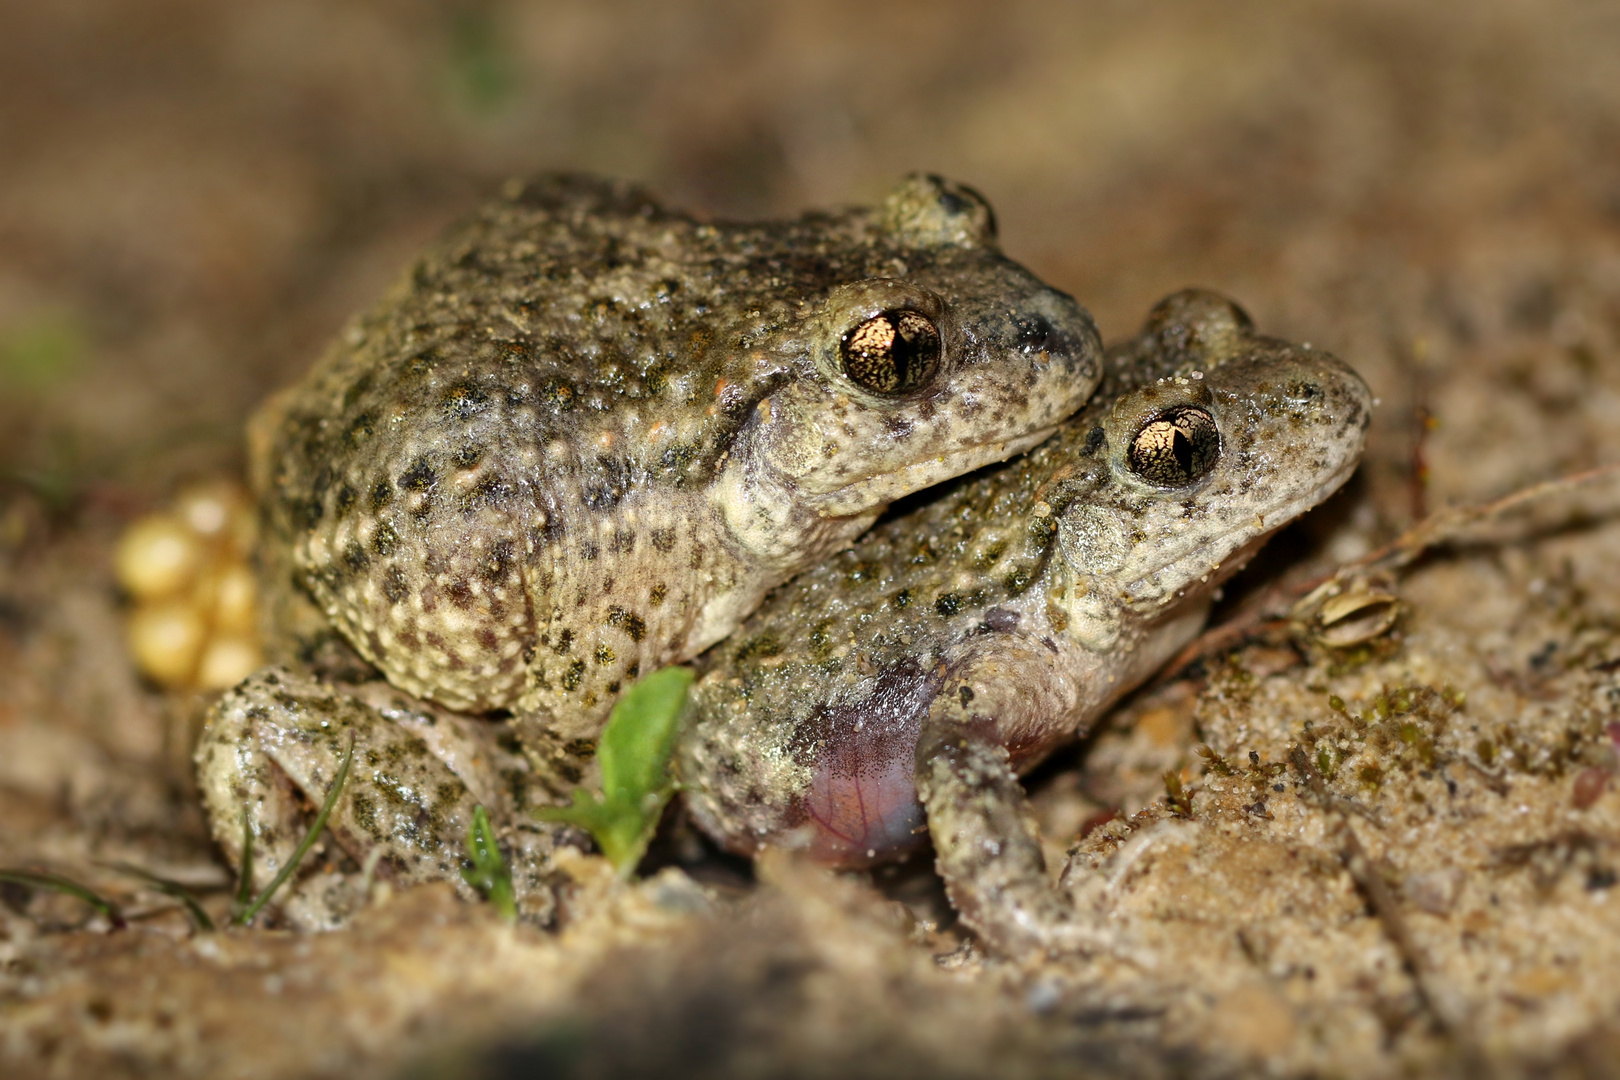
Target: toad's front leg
(985,837)
(272,749)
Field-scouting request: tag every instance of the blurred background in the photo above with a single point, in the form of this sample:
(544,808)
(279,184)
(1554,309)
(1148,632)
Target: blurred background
(195,193)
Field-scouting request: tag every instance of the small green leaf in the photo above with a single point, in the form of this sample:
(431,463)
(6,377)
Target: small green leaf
(634,753)
(640,736)
(482,77)
(488,873)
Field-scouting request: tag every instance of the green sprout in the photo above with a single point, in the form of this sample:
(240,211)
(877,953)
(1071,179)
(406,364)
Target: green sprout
(1176,794)
(244,880)
(246,915)
(488,873)
(39,879)
(634,752)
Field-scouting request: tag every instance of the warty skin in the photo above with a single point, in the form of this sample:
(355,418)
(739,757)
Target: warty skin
(900,687)
(580,439)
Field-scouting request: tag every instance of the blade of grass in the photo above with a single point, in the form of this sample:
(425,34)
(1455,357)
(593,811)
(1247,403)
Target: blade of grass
(315,828)
(40,879)
(488,873)
(172,889)
(244,881)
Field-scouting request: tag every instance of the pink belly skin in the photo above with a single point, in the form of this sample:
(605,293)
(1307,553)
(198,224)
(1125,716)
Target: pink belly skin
(865,817)
(861,804)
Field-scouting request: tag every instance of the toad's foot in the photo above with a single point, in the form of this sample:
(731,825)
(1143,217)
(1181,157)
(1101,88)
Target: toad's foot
(271,750)
(985,836)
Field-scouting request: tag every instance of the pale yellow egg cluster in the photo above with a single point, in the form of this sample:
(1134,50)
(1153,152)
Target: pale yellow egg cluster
(194,623)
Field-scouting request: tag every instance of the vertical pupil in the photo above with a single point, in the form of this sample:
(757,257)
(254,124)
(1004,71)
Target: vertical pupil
(892,352)
(906,351)
(1182,447)
(1178,447)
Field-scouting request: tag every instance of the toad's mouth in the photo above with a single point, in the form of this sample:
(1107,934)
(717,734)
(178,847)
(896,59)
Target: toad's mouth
(1142,590)
(872,491)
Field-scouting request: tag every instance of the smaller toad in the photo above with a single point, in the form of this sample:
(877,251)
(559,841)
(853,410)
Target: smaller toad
(898,689)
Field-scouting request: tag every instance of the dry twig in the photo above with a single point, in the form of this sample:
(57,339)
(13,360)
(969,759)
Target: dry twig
(1284,606)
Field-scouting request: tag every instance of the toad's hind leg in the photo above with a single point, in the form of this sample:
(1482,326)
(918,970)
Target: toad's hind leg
(985,837)
(271,750)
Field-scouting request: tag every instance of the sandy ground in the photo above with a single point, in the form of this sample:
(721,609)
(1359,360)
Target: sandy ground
(1394,859)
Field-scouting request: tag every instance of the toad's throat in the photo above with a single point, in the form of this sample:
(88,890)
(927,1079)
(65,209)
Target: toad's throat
(863,494)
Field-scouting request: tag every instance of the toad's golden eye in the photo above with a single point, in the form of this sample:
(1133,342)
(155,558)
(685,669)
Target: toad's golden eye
(1176,448)
(894,352)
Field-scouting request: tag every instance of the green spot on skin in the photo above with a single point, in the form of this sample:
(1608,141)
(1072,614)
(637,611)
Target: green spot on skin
(634,751)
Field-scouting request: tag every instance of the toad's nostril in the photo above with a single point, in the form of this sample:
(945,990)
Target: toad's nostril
(1034,332)
(1303,390)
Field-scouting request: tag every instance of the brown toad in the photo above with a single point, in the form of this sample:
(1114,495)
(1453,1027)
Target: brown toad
(580,439)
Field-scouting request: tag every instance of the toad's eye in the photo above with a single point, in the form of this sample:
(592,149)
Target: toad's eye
(1176,447)
(894,352)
